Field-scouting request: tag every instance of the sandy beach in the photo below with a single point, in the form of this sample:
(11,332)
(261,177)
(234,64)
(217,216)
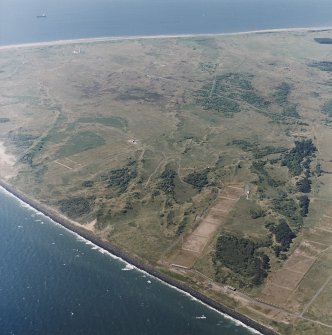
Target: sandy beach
(7,162)
(121,38)
(88,234)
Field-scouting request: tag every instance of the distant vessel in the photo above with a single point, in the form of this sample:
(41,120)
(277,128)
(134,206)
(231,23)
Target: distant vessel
(41,16)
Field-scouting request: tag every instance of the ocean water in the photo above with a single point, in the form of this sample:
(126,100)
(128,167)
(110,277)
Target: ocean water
(67,19)
(53,282)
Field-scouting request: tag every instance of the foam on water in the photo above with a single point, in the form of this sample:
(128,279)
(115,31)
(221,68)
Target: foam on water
(128,267)
(131,266)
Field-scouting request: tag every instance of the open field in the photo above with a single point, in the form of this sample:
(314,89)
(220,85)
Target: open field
(194,242)
(167,146)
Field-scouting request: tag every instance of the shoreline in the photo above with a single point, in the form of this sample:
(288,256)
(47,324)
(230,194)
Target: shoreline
(115,251)
(138,37)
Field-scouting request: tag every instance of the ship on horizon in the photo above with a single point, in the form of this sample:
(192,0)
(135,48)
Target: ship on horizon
(42,15)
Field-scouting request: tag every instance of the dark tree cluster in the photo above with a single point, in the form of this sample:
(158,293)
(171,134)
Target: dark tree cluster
(76,206)
(281,97)
(258,152)
(256,212)
(304,202)
(287,207)
(242,257)
(283,234)
(268,150)
(166,183)
(197,179)
(282,93)
(119,179)
(182,225)
(318,170)
(87,183)
(323,65)
(255,100)
(258,167)
(304,185)
(224,93)
(294,159)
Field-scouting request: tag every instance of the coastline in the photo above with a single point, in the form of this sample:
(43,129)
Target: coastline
(137,37)
(90,236)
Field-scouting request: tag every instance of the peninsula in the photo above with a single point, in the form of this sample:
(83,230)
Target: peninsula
(205,160)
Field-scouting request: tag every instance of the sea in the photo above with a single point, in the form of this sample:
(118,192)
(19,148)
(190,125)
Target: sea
(70,19)
(54,282)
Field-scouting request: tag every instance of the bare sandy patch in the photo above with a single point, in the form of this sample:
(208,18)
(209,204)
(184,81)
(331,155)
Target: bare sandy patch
(7,163)
(195,242)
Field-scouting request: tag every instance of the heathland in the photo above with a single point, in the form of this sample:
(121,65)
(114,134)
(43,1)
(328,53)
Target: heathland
(206,157)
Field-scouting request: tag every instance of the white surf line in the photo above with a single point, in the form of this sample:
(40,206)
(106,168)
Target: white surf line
(104,251)
(168,36)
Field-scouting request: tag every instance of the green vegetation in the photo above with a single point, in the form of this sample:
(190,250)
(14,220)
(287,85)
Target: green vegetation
(256,212)
(304,202)
(182,226)
(258,167)
(323,40)
(242,257)
(178,111)
(76,206)
(166,183)
(304,185)
(113,121)
(283,234)
(287,207)
(87,183)
(255,100)
(268,150)
(218,103)
(198,179)
(257,151)
(118,179)
(318,170)
(21,138)
(282,98)
(294,159)
(282,93)
(245,145)
(323,66)
(82,141)
(290,111)
(223,93)
(327,108)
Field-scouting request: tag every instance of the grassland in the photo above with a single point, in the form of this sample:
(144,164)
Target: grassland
(161,145)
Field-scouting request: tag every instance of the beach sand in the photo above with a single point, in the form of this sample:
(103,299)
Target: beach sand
(7,163)
(121,38)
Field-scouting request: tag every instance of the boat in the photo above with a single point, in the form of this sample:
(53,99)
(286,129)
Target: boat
(41,16)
